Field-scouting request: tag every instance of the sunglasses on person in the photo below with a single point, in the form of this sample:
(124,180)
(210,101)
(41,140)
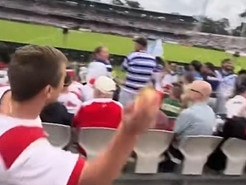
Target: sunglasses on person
(193,90)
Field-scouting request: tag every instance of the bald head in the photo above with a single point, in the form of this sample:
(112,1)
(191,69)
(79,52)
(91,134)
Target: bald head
(201,87)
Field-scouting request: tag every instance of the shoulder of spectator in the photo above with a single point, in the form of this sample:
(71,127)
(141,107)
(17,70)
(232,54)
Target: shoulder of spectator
(118,103)
(186,113)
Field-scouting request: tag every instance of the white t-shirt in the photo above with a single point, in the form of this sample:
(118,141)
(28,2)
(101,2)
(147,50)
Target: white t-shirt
(76,88)
(97,69)
(70,101)
(27,158)
(4,77)
(87,92)
(236,107)
(169,79)
(3,90)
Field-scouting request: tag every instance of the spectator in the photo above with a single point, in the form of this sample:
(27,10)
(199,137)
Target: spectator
(88,91)
(226,86)
(158,74)
(75,87)
(69,99)
(211,76)
(171,106)
(242,72)
(56,113)
(195,67)
(237,105)
(102,111)
(190,122)
(139,67)
(171,75)
(83,74)
(186,81)
(101,65)
(36,76)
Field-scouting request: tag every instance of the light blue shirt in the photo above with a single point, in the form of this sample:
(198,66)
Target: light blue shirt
(199,119)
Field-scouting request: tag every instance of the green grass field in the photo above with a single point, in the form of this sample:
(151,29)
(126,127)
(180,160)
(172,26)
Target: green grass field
(47,35)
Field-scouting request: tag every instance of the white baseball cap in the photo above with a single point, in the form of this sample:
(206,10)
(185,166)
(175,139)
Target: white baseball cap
(105,84)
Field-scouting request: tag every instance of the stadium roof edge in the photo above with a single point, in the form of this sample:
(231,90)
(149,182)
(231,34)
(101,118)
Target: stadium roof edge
(141,11)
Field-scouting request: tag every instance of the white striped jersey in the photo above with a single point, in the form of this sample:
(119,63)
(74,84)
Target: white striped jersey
(140,67)
(27,158)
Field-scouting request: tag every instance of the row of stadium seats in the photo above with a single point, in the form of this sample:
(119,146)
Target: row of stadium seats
(151,146)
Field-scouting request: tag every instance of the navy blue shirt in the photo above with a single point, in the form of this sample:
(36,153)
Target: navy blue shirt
(213,81)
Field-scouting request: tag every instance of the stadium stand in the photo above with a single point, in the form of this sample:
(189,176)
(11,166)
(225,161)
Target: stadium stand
(107,18)
(151,147)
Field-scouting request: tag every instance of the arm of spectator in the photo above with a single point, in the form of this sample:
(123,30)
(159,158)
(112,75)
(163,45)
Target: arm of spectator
(182,122)
(108,165)
(125,63)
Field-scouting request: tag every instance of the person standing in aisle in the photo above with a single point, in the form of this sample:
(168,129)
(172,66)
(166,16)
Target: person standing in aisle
(100,66)
(139,67)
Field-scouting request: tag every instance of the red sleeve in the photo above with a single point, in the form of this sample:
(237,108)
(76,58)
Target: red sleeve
(75,175)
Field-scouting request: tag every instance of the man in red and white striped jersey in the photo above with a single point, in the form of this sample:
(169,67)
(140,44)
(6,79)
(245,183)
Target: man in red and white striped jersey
(102,111)
(36,76)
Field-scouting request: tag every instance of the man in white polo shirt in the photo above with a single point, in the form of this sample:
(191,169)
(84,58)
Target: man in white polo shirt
(236,106)
(36,76)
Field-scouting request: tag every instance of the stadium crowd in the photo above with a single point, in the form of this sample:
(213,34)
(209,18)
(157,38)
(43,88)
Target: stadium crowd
(102,18)
(191,101)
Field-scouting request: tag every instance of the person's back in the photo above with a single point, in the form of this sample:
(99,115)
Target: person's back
(99,113)
(139,70)
(199,118)
(102,111)
(171,106)
(76,88)
(56,113)
(95,70)
(87,92)
(70,101)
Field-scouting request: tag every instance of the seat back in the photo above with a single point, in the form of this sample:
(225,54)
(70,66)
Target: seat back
(196,150)
(199,145)
(58,135)
(149,148)
(93,140)
(153,142)
(234,147)
(235,151)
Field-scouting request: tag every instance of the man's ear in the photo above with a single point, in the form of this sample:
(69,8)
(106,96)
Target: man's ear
(48,91)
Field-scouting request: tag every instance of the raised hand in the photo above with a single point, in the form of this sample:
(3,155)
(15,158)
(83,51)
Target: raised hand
(141,115)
